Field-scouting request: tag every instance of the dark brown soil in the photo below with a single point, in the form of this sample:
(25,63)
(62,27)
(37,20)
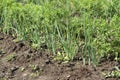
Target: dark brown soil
(19,62)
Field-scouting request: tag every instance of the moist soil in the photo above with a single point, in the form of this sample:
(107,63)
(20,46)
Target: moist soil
(18,61)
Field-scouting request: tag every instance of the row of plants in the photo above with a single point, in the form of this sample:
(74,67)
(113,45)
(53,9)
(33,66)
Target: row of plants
(67,27)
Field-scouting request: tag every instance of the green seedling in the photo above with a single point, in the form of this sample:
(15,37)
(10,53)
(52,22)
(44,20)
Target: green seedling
(61,57)
(34,67)
(117,57)
(3,79)
(36,70)
(34,46)
(115,73)
(2,52)
(10,57)
(17,40)
(22,69)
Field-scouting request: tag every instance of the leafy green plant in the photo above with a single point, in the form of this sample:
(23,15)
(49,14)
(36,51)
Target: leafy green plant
(65,25)
(115,73)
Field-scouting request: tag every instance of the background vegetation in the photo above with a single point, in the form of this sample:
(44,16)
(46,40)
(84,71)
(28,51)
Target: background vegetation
(67,27)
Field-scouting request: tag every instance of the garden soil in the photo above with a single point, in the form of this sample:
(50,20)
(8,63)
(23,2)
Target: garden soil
(18,61)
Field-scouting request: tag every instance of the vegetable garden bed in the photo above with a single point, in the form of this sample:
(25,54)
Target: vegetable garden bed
(59,39)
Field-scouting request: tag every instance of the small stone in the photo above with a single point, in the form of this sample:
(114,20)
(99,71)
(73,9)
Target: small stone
(48,61)
(43,65)
(13,69)
(68,76)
